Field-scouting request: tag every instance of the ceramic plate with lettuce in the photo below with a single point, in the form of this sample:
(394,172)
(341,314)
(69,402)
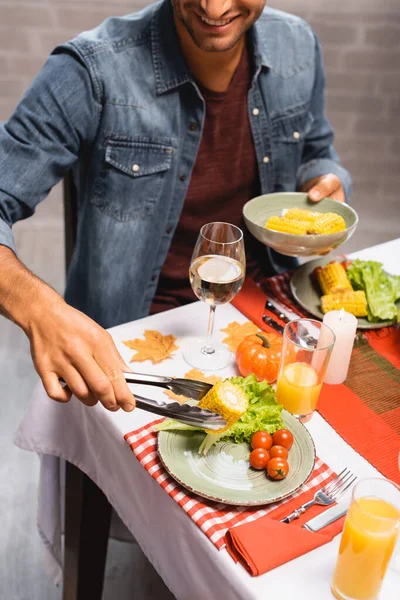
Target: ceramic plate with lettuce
(216,466)
(382,291)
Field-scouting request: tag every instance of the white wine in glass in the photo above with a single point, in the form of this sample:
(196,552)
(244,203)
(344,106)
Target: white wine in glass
(216,274)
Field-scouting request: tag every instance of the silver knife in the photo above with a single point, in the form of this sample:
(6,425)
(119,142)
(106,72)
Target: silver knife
(328,516)
(269,306)
(270,321)
(281,315)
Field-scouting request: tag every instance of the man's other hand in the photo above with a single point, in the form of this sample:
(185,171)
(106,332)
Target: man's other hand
(325,186)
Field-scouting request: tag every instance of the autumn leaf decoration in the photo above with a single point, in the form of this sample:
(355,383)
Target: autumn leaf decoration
(236,332)
(193,374)
(155,347)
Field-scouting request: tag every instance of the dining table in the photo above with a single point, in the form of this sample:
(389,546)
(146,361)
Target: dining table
(92,439)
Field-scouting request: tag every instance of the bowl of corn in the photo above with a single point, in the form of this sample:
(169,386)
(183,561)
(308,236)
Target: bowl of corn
(293,225)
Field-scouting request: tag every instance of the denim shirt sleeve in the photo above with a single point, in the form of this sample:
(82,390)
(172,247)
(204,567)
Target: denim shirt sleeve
(41,140)
(319,156)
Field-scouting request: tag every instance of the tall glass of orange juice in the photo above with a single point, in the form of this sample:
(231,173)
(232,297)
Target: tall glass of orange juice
(368,540)
(307,346)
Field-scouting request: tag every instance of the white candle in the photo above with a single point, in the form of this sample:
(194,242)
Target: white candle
(344,326)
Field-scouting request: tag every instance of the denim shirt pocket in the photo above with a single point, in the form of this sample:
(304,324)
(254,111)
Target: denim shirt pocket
(289,132)
(132,177)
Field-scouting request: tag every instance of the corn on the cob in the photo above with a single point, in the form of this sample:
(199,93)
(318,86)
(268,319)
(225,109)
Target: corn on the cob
(328,223)
(285,225)
(300,214)
(333,279)
(227,399)
(353,302)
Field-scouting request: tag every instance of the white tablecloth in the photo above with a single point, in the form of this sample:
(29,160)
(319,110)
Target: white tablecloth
(92,439)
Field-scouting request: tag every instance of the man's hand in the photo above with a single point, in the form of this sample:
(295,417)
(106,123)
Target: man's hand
(325,186)
(66,343)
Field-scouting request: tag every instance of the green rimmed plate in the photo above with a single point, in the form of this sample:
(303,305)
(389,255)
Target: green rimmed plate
(308,297)
(224,474)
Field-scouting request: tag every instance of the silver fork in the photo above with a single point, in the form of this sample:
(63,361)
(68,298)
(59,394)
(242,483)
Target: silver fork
(328,494)
(190,388)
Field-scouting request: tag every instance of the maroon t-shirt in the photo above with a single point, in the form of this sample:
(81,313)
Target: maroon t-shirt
(224,177)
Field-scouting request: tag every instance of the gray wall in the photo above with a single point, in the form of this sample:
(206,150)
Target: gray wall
(361,43)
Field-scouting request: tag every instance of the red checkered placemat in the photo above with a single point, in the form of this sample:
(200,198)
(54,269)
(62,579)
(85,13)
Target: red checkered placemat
(214,519)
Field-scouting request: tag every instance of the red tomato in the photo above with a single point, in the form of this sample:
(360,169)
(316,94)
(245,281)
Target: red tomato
(277,468)
(259,458)
(261,439)
(284,438)
(278,452)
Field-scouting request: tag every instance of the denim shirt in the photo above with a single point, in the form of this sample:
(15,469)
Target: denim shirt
(118,106)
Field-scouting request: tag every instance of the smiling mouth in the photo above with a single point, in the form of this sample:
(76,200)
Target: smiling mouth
(217,23)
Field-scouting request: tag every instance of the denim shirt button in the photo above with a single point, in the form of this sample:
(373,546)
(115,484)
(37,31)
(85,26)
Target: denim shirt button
(193,126)
(255,112)
(168,230)
(153,277)
(266,159)
(135,168)
(182,177)
(296,135)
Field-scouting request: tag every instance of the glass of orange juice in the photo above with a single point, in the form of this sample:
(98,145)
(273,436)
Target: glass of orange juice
(307,346)
(368,540)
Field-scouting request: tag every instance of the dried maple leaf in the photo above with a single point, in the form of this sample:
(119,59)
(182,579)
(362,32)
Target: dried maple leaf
(155,347)
(200,376)
(237,332)
(193,374)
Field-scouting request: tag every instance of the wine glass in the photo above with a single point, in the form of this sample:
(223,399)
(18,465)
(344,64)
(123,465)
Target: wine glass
(216,274)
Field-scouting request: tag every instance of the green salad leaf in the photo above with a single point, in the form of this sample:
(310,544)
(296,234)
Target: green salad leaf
(263,413)
(382,290)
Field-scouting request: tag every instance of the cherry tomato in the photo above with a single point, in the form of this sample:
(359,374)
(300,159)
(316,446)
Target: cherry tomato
(261,439)
(259,458)
(278,452)
(284,438)
(277,468)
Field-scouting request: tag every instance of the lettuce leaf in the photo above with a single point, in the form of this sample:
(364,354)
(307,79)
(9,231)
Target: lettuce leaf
(382,290)
(171,424)
(263,413)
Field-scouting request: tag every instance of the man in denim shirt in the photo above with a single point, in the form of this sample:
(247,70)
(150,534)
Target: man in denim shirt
(124,107)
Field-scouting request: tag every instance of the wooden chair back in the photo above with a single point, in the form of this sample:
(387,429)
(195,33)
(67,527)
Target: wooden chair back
(70,202)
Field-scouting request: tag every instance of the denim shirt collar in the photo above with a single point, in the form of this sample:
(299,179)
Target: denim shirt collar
(169,64)
(170,67)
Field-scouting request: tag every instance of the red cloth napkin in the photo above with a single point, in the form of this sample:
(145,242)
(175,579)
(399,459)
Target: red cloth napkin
(267,543)
(251,302)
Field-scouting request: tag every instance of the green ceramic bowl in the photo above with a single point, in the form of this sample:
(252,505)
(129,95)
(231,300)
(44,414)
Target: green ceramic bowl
(257,211)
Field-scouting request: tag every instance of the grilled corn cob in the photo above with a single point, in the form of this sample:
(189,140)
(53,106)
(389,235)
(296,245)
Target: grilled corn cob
(328,223)
(333,278)
(301,214)
(285,225)
(353,302)
(227,399)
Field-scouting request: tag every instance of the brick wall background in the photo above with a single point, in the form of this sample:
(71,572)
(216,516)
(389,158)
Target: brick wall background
(361,44)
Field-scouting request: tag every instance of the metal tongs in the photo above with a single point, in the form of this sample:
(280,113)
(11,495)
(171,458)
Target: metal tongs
(186,413)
